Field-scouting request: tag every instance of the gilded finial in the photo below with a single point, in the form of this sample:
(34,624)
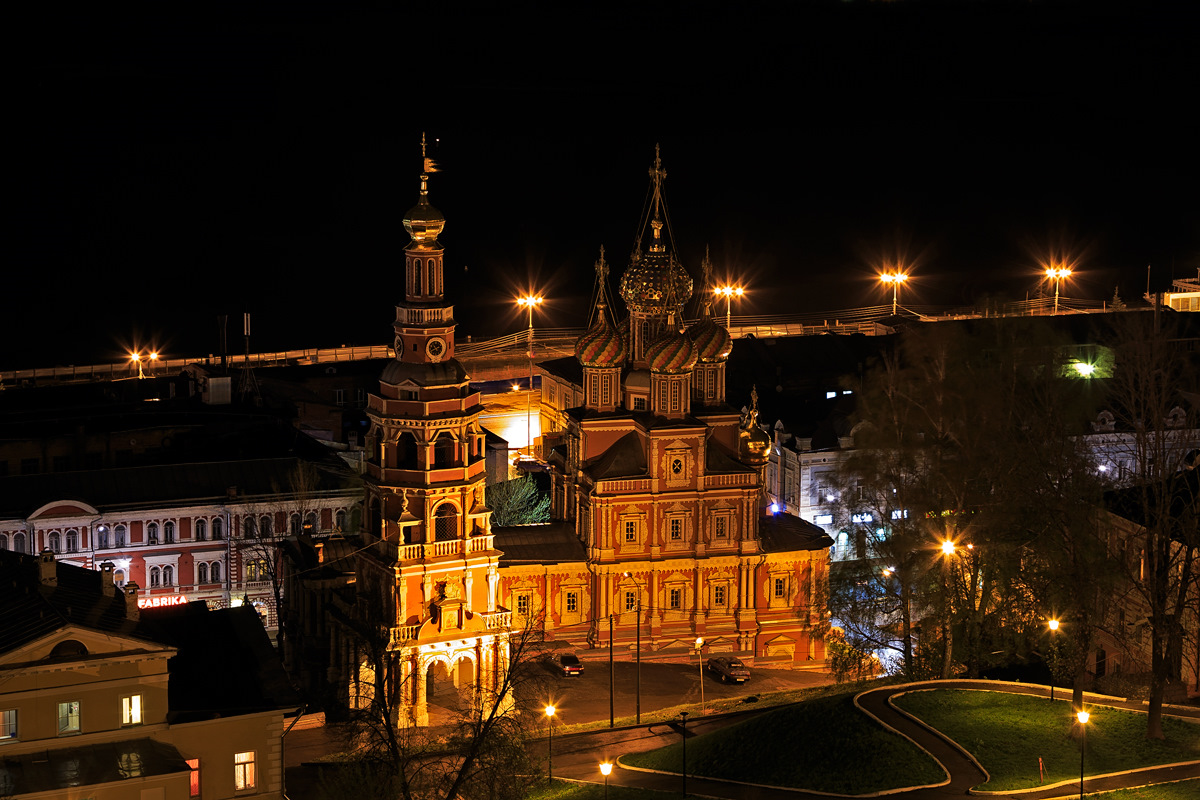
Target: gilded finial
(601,266)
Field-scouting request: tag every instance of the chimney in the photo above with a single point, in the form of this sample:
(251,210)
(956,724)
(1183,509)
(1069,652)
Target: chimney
(132,611)
(47,568)
(106,577)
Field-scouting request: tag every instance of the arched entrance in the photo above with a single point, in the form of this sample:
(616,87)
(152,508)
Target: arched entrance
(449,689)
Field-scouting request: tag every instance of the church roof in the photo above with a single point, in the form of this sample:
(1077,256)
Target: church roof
(567,368)
(626,458)
(781,533)
(555,543)
(716,460)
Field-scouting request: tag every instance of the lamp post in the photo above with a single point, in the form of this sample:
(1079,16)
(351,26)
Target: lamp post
(1053,624)
(700,664)
(1083,718)
(136,357)
(606,770)
(1057,274)
(638,706)
(895,279)
(612,677)
(530,302)
(683,726)
(550,744)
(947,552)
(728,292)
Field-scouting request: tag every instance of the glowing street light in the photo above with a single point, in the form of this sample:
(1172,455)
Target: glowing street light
(530,302)
(606,770)
(550,744)
(895,279)
(1057,274)
(1083,718)
(1053,625)
(947,552)
(700,663)
(136,357)
(638,645)
(728,292)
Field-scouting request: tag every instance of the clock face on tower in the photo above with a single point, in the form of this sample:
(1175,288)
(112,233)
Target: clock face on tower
(436,348)
(399,345)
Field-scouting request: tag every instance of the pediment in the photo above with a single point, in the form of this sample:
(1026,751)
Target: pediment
(77,643)
(64,508)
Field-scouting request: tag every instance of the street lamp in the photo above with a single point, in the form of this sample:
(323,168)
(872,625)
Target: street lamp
(895,279)
(529,302)
(947,552)
(1053,654)
(136,357)
(638,707)
(1083,718)
(612,676)
(683,727)
(728,292)
(1057,274)
(606,770)
(700,664)
(550,744)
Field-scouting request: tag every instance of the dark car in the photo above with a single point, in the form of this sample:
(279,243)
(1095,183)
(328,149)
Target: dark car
(568,664)
(728,669)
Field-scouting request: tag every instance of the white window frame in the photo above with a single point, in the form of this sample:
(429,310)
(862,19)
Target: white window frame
(131,710)
(8,725)
(70,717)
(244,778)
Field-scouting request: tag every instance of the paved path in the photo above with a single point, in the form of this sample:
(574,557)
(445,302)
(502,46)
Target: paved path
(577,757)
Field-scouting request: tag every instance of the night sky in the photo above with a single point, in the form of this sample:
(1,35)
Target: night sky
(170,167)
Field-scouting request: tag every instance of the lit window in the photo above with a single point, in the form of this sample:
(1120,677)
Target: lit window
(572,602)
(243,770)
(8,724)
(718,595)
(830,395)
(630,601)
(823,519)
(68,717)
(631,531)
(860,518)
(900,513)
(675,598)
(194,788)
(131,710)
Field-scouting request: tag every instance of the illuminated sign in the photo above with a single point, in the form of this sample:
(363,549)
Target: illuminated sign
(162,600)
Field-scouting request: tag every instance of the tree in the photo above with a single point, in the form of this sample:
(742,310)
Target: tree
(483,755)
(518,502)
(1154,371)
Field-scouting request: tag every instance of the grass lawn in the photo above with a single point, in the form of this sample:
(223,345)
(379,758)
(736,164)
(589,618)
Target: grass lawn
(1008,733)
(1183,790)
(563,790)
(794,745)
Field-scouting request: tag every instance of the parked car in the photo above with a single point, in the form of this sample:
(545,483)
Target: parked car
(728,669)
(568,664)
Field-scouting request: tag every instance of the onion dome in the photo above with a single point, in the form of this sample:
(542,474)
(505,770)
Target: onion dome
(601,345)
(673,353)
(424,222)
(711,340)
(754,446)
(655,280)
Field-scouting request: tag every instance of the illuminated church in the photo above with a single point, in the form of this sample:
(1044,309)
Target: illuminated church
(657,486)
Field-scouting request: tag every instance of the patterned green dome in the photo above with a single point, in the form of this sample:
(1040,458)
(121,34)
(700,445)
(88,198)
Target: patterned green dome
(712,341)
(602,345)
(673,353)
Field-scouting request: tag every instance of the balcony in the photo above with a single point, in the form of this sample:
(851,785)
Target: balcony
(449,547)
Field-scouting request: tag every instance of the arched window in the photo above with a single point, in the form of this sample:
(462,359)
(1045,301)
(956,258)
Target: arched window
(445,522)
(266,527)
(294,528)
(119,536)
(72,541)
(55,542)
(19,542)
(202,572)
(201,530)
(215,572)
(155,576)
(417,267)
(102,537)
(169,532)
(310,522)
(432,277)
(249,528)
(339,521)
(152,533)
(218,528)
(443,450)
(168,576)
(406,451)
(3,541)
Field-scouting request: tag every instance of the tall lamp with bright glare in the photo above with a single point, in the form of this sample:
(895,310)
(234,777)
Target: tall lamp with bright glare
(700,663)
(947,552)
(550,743)
(529,302)
(136,357)
(638,707)
(895,279)
(1053,624)
(1057,274)
(1083,718)
(728,292)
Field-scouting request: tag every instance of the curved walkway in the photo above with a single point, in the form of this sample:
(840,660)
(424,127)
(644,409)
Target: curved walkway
(576,757)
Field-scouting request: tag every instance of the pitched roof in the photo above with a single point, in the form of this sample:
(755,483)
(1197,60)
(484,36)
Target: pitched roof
(625,458)
(783,532)
(67,769)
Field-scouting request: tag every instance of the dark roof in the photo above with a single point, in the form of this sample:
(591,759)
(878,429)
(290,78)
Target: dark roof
(555,543)
(165,484)
(717,460)
(68,768)
(1174,504)
(781,533)
(567,368)
(625,458)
